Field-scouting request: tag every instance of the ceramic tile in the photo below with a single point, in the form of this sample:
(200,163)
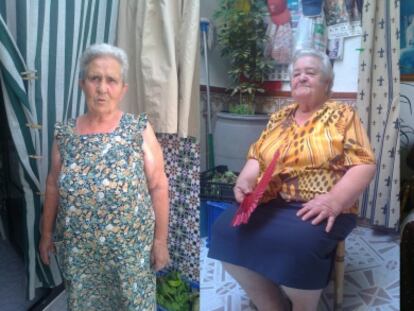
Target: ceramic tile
(182,166)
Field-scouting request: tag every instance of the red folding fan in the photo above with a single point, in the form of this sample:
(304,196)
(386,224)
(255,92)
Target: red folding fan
(251,200)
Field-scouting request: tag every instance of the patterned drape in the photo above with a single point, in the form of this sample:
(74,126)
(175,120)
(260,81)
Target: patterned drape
(378,106)
(40,44)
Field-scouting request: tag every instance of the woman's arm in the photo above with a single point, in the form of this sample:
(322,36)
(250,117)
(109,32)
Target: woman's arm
(158,188)
(352,184)
(247,179)
(342,196)
(50,206)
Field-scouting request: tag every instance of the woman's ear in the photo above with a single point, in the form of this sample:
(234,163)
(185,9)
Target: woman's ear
(124,90)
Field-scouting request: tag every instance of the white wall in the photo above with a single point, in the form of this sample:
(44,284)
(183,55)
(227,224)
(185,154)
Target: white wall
(346,71)
(217,65)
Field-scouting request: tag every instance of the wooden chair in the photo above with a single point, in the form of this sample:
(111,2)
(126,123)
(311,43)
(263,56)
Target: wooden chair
(339,270)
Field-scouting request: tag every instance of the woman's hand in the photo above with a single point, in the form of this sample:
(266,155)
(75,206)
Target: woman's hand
(343,195)
(323,206)
(45,248)
(159,255)
(247,180)
(241,189)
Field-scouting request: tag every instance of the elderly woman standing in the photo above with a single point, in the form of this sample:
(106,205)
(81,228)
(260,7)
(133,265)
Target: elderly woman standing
(108,194)
(288,245)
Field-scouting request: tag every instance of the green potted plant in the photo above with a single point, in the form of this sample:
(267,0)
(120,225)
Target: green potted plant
(241,31)
(241,36)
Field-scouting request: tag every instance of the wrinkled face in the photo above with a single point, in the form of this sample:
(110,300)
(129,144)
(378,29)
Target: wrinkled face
(308,82)
(103,85)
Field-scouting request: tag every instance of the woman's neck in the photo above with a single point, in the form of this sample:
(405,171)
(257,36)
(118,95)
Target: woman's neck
(102,118)
(92,123)
(305,111)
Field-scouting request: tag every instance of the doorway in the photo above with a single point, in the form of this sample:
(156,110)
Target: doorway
(13,276)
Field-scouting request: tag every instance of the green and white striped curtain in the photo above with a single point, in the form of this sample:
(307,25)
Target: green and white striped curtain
(40,45)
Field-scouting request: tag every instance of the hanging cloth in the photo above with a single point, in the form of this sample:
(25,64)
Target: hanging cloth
(161,39)
(279,32)
(311,8)
(279,13)
(312,33)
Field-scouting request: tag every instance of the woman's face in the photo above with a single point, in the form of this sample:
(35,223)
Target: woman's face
(308,83)
(103,85)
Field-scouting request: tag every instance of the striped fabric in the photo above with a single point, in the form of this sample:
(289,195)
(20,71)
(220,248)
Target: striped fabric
(40,45)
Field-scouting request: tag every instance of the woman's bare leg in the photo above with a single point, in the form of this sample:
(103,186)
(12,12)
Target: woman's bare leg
(266,295)
(303,300)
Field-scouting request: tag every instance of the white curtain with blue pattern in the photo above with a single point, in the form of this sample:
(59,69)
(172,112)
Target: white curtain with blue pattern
(378,106)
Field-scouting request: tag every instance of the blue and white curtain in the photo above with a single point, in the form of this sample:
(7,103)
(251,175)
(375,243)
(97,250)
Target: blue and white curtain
(378,106)
(40,45)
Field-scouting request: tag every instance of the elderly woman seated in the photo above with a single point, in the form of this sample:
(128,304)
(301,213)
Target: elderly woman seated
(283,256)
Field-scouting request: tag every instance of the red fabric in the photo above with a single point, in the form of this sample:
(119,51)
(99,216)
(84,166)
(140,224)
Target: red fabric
(279,12)
(251,200)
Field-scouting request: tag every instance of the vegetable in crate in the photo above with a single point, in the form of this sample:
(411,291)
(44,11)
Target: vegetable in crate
(173,293)
(225,178)
(219,179)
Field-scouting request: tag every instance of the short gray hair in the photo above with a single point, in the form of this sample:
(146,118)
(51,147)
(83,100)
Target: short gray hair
(102,50)
(326,66)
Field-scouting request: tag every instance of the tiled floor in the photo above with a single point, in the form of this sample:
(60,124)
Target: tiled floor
(13,294)
(12,280)
(58,304)
(371,277)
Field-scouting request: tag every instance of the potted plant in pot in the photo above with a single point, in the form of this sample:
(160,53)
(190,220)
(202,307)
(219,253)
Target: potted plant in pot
(241,35)
(242,38)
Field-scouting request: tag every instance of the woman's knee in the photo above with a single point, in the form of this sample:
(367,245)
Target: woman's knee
(303,300)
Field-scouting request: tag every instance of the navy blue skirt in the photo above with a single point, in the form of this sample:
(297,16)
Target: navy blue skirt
(279,245)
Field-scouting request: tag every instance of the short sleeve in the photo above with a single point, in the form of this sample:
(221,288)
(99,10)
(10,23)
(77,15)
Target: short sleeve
(357,148)
(58,135)
(253,149)
(142,122)
(253,152)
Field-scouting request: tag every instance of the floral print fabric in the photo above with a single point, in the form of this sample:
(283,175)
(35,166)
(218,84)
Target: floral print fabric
(105,221)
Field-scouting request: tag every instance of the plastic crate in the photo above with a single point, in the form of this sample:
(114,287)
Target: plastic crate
(214,210)
(215,191)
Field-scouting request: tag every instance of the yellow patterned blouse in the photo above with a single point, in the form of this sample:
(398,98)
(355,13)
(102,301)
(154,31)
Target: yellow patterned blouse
(313,156)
